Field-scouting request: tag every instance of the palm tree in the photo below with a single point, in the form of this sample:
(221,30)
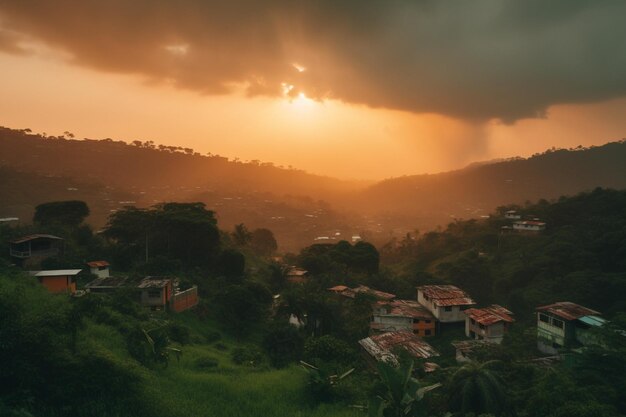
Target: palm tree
(402,395)
(477,387)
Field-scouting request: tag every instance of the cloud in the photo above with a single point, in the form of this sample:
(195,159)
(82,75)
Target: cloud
(474,60)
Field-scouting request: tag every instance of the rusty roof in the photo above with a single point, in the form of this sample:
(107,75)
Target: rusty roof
(490,315)
(338,288)
(108,282)
(296,272)
(97,264)
(467,346)
(35,236)
(405,308)
(155,282)
(530,223)
(446,295)
(380,346)
(361,289)
(568,310)
(378,294)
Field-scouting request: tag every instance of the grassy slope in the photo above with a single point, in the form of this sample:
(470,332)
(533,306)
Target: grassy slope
(183,389)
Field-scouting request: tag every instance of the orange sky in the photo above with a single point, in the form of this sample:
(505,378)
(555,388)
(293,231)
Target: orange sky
(45,92)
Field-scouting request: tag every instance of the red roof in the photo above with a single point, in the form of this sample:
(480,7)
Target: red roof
(490,315)
(97,264)
(568,310)
(381,346)
(405,308)
(446,295)
(361,289)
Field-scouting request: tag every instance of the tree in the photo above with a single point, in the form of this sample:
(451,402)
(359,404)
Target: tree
(401,394)
(61,213)
(478,388)
(283,344)
(263,242)
(241,235)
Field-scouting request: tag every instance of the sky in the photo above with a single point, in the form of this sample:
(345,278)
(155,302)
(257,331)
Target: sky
(364,89)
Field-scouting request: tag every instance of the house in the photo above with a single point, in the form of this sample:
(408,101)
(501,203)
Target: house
(296,275)
(384,347)
(529,226)
(466,349)
(58,280)
(446,302)
(512,215)
(388,316)
(99,268)
(489,323)
(565,325)
(361,289)
(156,292)
(36,246)
(106,284)
(184,299)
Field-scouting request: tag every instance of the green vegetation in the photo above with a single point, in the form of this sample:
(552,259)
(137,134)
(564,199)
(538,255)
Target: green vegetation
(236,355)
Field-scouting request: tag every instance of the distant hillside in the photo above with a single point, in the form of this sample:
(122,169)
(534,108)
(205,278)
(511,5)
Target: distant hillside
(478,189)
(142,165)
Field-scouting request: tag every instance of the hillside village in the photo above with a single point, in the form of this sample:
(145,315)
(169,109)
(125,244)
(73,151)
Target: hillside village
(340,310)
(396,324)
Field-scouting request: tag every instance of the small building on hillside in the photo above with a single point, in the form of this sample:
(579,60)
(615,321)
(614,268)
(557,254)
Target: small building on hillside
(389,316)
(512,215)
(565,325)
(156,292)
(532,226)
(296,275)
(101,269)
(466,349)
(184,299)
(361,289)
(384,347)
(36,247)
(489,323)
(58,280)
(106,284)
(446,302)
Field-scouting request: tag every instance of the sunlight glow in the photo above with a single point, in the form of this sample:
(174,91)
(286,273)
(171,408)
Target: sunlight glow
(298,67)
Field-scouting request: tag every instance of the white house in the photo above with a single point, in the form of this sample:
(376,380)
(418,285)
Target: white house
(489,323)
(513,215)
(529,226)
(99,268)
(446,302)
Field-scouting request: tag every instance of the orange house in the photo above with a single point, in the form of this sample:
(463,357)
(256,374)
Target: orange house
(393,315)
(59,280)
(156,292)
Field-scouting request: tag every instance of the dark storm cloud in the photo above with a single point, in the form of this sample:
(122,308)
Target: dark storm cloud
(472,59)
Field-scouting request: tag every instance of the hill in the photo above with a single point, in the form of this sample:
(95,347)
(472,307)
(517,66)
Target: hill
(476,190)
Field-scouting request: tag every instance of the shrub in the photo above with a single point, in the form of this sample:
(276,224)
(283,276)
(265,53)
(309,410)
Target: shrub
(248,355)
(206,362)
(179,333)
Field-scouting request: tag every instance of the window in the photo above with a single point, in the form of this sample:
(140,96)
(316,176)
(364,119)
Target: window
(427,332)
(482,326)
(154,293)
(556,345)
(558,323)
(416,321)
(448,308)
(427,321)
(544,318)
(464,307)
(472,321)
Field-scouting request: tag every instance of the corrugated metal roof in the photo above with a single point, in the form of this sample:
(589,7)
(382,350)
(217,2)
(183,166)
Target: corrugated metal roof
(490,315)
(568,310)
(98,264)
(593,320)
(380,346)
(361,289)
(35,236)
(155,282)
(446,295)
(55,272)
(108,282)
(404,308)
